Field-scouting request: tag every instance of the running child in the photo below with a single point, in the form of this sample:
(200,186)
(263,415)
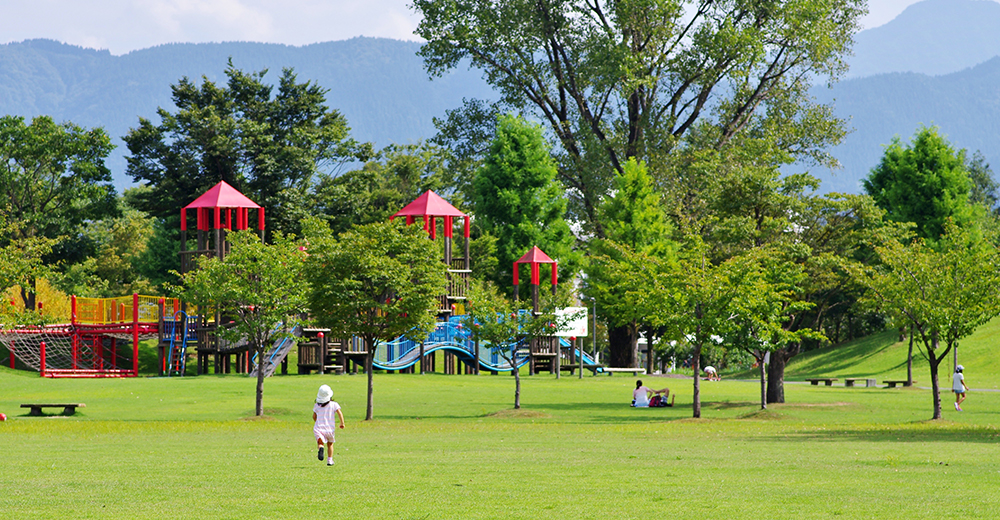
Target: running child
(959,387)
(323,416)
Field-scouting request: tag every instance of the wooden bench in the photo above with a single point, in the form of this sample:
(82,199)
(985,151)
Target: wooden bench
(849,381)
(68,408)
(634,371)
(893,382)
(828,381)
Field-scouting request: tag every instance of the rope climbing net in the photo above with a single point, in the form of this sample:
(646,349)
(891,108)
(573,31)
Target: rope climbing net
(72,351)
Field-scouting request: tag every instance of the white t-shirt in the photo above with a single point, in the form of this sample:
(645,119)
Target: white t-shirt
(326,416)
(710,370)
(641,397)
(956,382)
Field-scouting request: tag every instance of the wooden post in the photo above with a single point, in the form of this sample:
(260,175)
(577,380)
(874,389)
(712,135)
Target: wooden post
(135,334)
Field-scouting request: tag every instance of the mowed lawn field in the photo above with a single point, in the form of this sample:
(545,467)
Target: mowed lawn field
(452,447)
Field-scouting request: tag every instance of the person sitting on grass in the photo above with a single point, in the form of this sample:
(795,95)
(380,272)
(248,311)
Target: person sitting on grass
(641,395)
(959,387)
(712,374)
(323,418)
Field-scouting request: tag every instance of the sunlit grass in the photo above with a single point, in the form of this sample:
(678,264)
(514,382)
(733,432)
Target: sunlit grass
(451,447)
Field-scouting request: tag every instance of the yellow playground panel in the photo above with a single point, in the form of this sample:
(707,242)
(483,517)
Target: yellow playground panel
(123,309)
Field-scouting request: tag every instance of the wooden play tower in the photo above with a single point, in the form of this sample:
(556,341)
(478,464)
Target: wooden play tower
(543,351)
(218,211)
(430,206)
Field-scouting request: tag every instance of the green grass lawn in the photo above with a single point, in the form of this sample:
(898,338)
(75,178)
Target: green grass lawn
(451,447)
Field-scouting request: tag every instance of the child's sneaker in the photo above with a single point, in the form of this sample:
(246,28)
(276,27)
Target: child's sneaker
(957,409)
(330,462)
(320,454)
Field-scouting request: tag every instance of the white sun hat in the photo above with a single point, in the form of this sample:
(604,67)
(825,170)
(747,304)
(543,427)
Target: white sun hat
(324,395)
(959,368)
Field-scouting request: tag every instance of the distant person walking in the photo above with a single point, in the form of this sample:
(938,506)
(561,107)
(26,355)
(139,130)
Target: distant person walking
(324,412)
(959,387)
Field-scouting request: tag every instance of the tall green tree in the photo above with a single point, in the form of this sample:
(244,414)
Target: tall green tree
(52,180)
(737,200)
(635,221)
(518,200)
(924,182)
(268,143)
(701,300)
(259,286)
(503,326)
(377,282)
(618,79)
(944,292)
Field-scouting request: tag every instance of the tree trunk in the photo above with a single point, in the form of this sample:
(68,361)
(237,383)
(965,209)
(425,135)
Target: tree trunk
(621,347)
(763,383)
(776,376)
(696,365)
(909,361)
(517,388)
(260,381)
(28,295)
(370,411)
(934,361)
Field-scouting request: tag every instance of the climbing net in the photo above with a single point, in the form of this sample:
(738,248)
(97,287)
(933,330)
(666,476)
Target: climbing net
(71,351)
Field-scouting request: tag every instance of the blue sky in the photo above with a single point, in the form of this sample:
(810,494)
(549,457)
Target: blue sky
(126,25)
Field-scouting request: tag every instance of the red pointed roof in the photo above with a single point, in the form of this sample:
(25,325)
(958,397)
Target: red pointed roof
(535,256)
(222,195)
(429,204)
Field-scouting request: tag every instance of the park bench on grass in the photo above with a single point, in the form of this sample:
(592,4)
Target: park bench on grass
(68,408)
(893,382)
(828,381)
(849,381)
(634,371)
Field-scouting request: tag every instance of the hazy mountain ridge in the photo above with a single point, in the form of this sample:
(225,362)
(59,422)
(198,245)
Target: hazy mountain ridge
(965,105)
(932,37)
(381,87)
(379,84)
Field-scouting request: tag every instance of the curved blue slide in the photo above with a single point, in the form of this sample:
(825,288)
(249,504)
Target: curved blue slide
(451,336)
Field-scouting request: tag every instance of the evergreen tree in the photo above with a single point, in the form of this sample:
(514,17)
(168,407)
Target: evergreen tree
(518,201)
(925,182)
(634,222)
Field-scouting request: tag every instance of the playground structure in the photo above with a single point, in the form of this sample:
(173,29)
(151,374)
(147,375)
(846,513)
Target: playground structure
(91,344)
(94,343)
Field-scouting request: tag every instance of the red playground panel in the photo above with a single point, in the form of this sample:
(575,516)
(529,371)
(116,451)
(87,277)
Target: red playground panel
(102,339)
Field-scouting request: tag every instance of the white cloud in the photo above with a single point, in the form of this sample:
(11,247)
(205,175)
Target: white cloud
(126,25)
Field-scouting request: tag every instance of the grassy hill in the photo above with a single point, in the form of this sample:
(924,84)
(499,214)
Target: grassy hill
(882,357)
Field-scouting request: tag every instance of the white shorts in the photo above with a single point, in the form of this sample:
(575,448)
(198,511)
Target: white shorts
(324,435)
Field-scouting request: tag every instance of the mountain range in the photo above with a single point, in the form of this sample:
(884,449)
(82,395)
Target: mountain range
(935,64)
(378,84)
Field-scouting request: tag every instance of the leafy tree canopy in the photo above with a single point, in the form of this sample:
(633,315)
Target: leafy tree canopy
(52,180)
(269,145)
(381,187)
(618,79)
(944,292)
(377,281)
(259,286)
(924,182)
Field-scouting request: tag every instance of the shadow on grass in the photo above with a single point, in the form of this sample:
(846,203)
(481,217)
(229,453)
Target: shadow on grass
(925,431)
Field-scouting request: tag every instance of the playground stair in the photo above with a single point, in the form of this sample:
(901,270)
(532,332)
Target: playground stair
(277,353)
(174,342)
